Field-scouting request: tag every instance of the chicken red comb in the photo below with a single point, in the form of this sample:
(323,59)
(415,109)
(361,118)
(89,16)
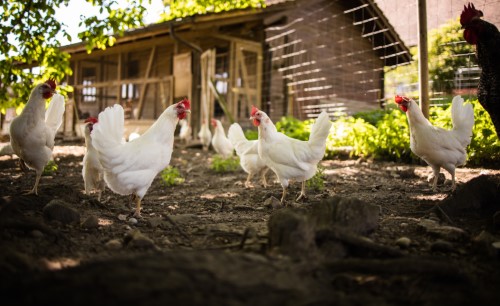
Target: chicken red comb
(52,83)
(91,119)
(469,13)
(254,110)
(399,99)
(186,102)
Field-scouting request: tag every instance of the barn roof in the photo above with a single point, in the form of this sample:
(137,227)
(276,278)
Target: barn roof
(365,14)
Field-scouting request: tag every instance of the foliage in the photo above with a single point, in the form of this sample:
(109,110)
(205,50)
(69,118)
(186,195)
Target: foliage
(28,30)
(185,8)
(317,182)
(171,176)
(252,134)
(50,168)
(221,165)
(294,128)
(446,43)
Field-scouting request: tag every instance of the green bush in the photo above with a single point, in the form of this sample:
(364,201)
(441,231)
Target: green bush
(317,182)
(294,128)
(221,165)
(252,134)
(171,176)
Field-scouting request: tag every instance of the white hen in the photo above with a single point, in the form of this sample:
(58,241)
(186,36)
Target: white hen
(248,152)
(220,143)
(32,133)
(92,171)
(437,146)
(289,158)
(185,131)
(205,135)
(130,167)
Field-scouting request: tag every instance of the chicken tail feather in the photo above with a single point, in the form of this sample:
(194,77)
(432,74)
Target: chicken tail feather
(108,131)
(462,117)
(54,113)
(237,138)
(320,131)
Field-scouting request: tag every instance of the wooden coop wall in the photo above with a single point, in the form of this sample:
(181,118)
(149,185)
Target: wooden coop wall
(320,58)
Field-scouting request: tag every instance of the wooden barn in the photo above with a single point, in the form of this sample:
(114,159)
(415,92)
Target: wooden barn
(290,58)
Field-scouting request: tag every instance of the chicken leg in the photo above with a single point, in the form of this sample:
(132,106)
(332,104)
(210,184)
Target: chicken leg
(37,180)
(302,191)
(263,176)
(137,212)
(248,184)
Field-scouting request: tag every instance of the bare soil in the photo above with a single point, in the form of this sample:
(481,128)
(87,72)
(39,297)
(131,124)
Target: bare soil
(206,241)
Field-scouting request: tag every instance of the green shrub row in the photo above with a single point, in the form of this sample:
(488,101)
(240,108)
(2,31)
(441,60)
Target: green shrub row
(385,135)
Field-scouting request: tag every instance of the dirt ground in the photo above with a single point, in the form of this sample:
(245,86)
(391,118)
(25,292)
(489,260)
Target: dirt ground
(207,241)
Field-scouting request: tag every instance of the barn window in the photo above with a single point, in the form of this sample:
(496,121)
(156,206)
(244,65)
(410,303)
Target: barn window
(89,78)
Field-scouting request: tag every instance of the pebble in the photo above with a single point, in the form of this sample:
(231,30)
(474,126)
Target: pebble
(114,244)
(57,210)
(122,217)
(91,222)
(403,242)
(441,246)
(36,234)
(273,203)
(133,221)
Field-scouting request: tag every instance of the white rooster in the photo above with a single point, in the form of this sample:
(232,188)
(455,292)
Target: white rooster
(437,146)
(205,135)
(220,143)
(32,133)
(130,167)
(92,171)
(248,152)
(289,158)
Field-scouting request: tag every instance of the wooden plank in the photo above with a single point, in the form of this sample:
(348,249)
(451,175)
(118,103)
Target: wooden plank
(139,81)
(144,87)
(119,77)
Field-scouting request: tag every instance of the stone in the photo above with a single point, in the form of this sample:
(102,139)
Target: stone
(291,232)
(58,210)
(91,222)
(137,240)
(442,246)
(273,202)
(403,242)
(113,244)
(353,214)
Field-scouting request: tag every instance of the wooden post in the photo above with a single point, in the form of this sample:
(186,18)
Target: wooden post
(423,71)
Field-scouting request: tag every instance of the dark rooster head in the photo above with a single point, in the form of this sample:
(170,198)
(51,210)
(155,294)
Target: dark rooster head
(256,115)
(402,102)
(89,123)
(183,108)
(468,20)
(48,88)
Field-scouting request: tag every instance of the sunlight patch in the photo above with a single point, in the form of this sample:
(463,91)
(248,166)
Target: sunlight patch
(60,263)
(210,196)
(104,222)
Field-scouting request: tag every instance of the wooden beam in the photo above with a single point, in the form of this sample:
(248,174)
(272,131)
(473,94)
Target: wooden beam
(423,71)
(144,88)
(128,81)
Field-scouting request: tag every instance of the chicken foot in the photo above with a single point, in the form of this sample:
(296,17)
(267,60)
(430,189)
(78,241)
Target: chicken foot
(35,188)
(302,191)
(263,177)
(248,183)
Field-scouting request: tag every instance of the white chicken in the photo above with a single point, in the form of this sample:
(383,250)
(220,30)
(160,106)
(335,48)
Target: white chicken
(205,136)
(289,158)
(92,171)
(248,152)
(220,143)
(32,133)
(436,146)
(185,131)
(130,167)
